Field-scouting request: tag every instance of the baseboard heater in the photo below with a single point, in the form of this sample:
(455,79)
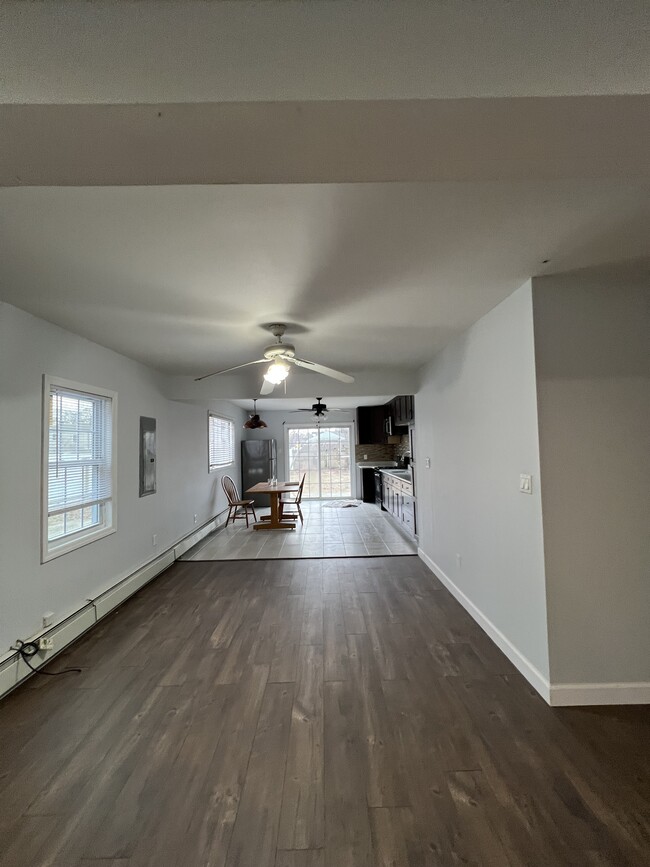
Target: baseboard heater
(13,671)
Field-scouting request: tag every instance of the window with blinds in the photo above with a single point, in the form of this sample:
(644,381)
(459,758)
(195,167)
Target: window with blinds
(221,441)
(78,466)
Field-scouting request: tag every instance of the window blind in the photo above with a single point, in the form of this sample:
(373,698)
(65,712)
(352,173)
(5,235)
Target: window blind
(221,441)
(79,472)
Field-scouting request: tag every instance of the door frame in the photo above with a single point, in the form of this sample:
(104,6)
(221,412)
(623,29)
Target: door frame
(343,424)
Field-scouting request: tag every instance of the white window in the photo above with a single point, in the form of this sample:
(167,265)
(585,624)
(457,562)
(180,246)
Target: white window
(79,424)
(221,441)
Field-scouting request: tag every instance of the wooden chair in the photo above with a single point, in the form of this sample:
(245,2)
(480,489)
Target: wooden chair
(293,501)
(235,504)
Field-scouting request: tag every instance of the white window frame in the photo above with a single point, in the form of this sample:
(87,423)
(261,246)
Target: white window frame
(215,468)
(56,548)
(326,424)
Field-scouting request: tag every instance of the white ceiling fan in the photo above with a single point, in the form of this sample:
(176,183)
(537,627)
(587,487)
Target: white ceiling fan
(320,410)
(282,356)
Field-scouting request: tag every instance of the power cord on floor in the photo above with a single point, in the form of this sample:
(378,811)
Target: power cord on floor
(27,649)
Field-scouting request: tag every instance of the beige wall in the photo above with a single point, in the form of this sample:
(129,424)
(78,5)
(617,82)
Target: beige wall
(593,383)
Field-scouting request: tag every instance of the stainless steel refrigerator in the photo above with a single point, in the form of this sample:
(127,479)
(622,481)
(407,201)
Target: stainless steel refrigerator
(259,463)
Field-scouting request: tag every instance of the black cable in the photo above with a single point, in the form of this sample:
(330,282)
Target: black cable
(24,655)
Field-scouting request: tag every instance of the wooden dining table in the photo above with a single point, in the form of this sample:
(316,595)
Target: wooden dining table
(272,521)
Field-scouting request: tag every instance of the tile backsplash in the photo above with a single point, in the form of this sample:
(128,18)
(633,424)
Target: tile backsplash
(374,452)
(403,447)
(383,451)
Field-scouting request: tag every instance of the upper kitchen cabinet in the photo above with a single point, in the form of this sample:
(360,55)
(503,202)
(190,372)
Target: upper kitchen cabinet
(401,411)
(375,424)
(370,424)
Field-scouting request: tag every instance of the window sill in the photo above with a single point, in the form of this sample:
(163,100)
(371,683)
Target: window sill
(51,552)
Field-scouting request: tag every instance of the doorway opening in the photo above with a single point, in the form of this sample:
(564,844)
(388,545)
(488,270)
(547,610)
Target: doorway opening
(322,453)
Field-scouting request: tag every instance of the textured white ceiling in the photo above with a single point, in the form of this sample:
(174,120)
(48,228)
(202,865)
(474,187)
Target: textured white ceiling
(289,404)
(109,51)
(374,275)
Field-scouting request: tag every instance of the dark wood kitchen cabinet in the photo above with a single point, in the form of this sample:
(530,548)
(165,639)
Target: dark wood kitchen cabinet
(402,411)
(370,424)
(373,425)
(398,500)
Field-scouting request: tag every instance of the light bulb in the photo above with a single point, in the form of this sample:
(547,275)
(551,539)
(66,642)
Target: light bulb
(277,372)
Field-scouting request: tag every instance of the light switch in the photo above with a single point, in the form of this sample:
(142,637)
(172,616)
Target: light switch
(525,484)
(427,463)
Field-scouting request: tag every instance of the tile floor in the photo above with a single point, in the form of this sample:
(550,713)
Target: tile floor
(328,531)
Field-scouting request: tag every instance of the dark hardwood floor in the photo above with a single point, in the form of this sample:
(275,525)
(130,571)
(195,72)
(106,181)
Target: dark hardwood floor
(310,713)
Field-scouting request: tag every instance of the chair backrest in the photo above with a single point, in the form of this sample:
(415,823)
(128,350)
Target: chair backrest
(229,489)
(300,487)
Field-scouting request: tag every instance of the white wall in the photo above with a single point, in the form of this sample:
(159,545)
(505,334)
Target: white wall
(30,347)
(276,422)
(593,369)
(476,419)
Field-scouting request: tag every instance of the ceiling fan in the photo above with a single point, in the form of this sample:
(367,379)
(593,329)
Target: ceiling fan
(318,409)
(282,355)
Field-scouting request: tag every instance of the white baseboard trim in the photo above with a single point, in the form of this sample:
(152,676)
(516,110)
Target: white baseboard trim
(13,670)
(516,657)
(195,537)
(576,694)
(555,694)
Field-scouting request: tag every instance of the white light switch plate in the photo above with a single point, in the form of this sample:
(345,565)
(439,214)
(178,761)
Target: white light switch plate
(525,484)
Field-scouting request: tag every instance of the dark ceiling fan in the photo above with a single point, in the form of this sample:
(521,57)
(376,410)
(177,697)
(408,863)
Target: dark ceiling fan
(319,410)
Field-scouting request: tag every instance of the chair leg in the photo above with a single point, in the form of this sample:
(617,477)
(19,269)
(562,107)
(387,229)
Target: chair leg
(254,515)
(300,513)
(246,515)
(228,518)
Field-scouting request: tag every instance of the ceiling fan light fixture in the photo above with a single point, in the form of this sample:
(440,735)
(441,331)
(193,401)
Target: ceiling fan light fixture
(277,372)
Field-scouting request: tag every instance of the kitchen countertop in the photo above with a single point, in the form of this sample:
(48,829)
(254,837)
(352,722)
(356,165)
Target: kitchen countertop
(402,475)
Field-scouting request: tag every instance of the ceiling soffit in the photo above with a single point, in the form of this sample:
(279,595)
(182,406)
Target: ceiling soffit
(325,142)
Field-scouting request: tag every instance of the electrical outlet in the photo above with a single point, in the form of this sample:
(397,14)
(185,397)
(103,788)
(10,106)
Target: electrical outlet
(365,457)
(46,644)
(48,619)
(196,519)
(154,539)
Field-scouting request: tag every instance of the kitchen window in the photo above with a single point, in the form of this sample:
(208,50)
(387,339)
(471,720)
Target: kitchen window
(79,435)
(221,442)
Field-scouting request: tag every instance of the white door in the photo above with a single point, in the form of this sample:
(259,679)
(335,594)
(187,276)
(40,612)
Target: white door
(322,453)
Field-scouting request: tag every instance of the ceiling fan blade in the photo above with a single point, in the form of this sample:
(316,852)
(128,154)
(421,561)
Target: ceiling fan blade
(228,369)
(320,368)
(267,387)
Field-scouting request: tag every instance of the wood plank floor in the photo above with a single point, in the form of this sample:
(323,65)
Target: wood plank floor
(310,713)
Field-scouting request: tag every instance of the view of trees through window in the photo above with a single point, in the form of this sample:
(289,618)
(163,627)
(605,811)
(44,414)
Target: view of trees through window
(323,453)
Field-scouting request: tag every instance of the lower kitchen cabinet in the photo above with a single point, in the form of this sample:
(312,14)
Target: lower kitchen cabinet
(399,502)
(408,513)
